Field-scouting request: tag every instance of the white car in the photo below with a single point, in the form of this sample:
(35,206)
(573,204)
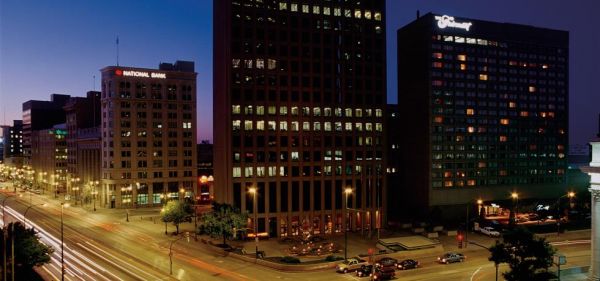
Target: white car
(489,231)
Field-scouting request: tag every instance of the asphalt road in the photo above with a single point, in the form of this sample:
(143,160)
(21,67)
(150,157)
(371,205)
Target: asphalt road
(99,247)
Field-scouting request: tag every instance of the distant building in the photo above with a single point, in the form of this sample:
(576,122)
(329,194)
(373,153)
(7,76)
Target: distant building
(205,172)
(83,117)
(148,134)
(484,109)
(40,115)
(49,156)
(12,144)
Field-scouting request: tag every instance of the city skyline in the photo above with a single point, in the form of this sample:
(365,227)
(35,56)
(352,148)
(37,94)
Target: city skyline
(31,50)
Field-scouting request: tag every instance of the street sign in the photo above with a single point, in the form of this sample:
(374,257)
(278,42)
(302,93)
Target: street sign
(560,260)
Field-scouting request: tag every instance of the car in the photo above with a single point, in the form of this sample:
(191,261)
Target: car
(351,264)
(365,270)
(386,261)
(451,257)
(489,231)
(408,264)
(384,273)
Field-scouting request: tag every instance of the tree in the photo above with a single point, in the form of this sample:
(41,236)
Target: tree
(29,251)
(222,221)
(176,212)
(528,257)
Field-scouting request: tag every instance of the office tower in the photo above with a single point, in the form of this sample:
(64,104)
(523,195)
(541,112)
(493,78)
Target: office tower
(484,108)
(148,135)
(299,100)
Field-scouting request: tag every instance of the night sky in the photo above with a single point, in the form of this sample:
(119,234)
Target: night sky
(58,46)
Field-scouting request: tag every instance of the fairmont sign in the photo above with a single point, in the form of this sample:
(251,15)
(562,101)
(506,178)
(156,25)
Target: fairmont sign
(448,21)
(143,74)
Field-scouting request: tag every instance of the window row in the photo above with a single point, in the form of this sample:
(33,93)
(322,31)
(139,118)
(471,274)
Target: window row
(305,111)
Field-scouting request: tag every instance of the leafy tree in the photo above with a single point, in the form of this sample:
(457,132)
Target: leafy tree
(528,257)
(176,212)
(223,221)
(29,251)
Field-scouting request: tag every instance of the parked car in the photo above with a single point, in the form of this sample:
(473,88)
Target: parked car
(350,265)
(365,270)
(384,273)
(386,262)
(408,264)
(451,257)
(490,231)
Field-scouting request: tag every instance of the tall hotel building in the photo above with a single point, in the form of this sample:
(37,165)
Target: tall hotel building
(299,99)
(485,106)
(148,134)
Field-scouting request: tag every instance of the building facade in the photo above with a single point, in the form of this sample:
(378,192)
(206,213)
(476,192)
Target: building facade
(49,158)
(41,115)
(148,135)
(486,105)
(12,152)
(299,100)
(81,113)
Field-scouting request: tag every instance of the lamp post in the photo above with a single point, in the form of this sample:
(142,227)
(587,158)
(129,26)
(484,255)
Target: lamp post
(27,210)
(164,197)
(187,235)
(347,192)
(515,197)
(63,205)
(253,191)
(570,194)
(94,184)
(126,202)
(4,232)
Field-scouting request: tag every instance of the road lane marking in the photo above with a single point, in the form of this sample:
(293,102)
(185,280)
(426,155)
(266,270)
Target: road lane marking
(116,258)
(475,273)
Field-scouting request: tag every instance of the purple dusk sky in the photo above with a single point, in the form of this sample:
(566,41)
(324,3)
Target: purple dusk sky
(58,46)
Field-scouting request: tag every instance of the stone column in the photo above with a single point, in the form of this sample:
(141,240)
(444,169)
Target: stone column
(594,273)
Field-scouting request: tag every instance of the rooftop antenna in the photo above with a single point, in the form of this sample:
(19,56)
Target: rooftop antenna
(94,83)
(117,50)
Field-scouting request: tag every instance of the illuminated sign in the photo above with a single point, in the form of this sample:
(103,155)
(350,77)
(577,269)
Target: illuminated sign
(143,74)
(448,21)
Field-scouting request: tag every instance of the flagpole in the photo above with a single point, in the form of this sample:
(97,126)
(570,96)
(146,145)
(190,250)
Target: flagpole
(117,50)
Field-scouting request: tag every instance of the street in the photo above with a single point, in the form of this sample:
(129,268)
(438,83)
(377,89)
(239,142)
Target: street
(100,246)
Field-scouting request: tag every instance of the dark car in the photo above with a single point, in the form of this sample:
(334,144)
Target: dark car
(408,264)
(384,273)
(451,257)
(386,262)
(364,271)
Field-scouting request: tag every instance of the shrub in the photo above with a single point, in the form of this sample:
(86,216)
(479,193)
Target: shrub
(288,259)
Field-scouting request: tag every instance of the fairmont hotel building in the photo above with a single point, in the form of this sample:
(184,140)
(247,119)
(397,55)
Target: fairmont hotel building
(148,134)
(299,99)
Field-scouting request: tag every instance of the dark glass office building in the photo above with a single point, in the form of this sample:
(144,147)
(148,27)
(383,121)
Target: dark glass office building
(299,101)
(484,108)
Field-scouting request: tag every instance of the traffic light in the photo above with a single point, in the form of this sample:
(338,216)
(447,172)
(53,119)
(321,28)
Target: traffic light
(460,241)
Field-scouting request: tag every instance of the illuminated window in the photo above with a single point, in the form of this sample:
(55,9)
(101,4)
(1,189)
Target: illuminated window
(470,129)
(316,10)
(502,138)
(502,173)
(306,126)
(524,114)
(260,110)
(317,111)
(237,172)
(461,57)
(470,111)
(512,104)
(326,11)
(248,125)
(348,126)
(348,112)
(463,66)
(531,89)
(317,126)
(260,125)
(378,113)
(357,14)
(347,13)
(448,183)
(236,124)
(437,55)
(283,126)
(544,66)
(470,182)
(437,64)
(504,121)
(438,119)
(481,165)
(543,114)
(459,39)
(337,12)
(368,14)
(358,112)
(235,63)
(235,109)
(294,7)
(483,77)
(282,6)
(305,9)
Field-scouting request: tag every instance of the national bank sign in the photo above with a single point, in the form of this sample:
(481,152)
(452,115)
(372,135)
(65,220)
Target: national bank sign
(144,74)
(448,21)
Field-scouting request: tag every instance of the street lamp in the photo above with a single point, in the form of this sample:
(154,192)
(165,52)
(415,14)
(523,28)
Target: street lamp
(63,205)
(253,191)
(187,235)
(4,233)
(515,197)
(94,184)
(347,192)
(570,195)
(27,210)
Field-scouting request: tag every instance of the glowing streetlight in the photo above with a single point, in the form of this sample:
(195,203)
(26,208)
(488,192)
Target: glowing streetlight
(252,190)
(347,192)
